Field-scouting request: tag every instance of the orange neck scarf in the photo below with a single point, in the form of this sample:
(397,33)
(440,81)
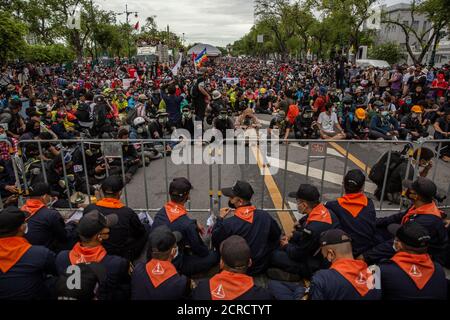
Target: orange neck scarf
(353,203)
(355,272)
(11,250)
(320,214)
(174,211)
(419,267)
(229,286)
(32,206)
(110,203)
(245,213)
(429,208)
(160,271)
(81,254)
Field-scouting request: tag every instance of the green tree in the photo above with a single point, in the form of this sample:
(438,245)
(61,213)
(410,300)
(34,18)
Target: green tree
(391,52)
(12,35)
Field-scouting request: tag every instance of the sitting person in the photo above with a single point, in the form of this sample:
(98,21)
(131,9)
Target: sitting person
(329,124)
(232,283)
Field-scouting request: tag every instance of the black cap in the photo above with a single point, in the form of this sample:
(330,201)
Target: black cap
(333,236)
(91,274)
(40,189)
(94,222)
(180,187)
(163,239)
(354,180)
(306,192)
(240,189)
(411,233)
(112,185)
(11,219)
(424,187)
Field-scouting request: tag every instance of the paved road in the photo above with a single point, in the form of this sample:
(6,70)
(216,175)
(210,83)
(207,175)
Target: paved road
(268,189)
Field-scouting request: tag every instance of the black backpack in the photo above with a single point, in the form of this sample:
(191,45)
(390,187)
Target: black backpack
(379,169)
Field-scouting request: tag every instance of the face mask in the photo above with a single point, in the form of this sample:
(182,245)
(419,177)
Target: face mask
(176,252)
(394,246)
(3,136)
(333,109)
(140,130)
(26,228)
(408,101)
(231,205)
(385,113)
(300,210)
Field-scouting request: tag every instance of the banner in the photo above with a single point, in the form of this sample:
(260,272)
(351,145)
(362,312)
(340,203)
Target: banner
(142,51)
(178,65)
(374,21)
(231,80)
(127,82)
(74,20)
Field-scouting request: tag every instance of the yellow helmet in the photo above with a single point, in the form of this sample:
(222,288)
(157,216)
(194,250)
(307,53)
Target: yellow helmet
(262,90)
(416,109)
(360,113)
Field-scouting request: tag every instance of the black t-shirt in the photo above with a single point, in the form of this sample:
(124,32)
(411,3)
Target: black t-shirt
(444,125)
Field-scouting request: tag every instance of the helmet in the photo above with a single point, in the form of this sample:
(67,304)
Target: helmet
(262,90)
(416,109)
(360,113)
(216,95)
(138,121)
(142,97)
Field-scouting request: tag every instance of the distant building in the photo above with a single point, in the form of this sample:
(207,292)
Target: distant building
(392,33)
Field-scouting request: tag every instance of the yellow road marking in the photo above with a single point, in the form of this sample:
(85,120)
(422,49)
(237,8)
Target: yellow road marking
(286,221)
(351,157)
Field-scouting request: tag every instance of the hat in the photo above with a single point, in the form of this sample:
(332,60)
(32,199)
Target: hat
(94,222)
(91,274)
(40,189)
(11,219)
(411,233)
(180,187)
(216,95)
(112,184)
(163,239)
(11,87)
(354,179)
(360,113)
(306,192)
(240,189)
(423,187)
(416,109)
(333,236)
(142,97)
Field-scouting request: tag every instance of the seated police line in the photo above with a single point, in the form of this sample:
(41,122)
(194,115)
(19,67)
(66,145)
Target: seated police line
(327,256)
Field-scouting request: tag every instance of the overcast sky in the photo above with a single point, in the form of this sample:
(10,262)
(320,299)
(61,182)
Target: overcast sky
(217,22)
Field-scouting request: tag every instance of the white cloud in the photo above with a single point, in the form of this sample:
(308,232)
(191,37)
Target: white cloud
(210,21)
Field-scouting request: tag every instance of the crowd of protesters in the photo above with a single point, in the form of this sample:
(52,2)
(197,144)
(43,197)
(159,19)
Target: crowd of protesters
(327,255)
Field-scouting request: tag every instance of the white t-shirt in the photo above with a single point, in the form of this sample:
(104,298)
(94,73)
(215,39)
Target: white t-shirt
(328,122)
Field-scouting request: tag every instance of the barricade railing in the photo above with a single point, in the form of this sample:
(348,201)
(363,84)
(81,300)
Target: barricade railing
(315,150)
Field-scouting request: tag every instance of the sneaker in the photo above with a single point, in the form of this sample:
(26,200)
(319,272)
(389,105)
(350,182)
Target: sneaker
(280,275)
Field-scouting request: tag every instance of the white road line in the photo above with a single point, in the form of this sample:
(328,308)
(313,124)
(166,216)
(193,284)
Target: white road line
(315,173)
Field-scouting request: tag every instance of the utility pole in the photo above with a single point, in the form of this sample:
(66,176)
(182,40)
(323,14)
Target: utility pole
(127,14)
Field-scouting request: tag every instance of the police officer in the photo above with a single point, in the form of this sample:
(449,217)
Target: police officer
(194,257)
(257,227)
(297,254)
(411,274)
(128,236)
(93,229)
(423,211)
(46,226)
(347,278)
(356,213)
(158,279)
(23,267)
(232,283)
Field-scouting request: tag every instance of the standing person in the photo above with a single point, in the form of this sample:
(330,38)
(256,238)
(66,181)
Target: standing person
(194,256)
(158,279)
(199,95)
(172,104)
(232,283)
(411,274)
(383,81)
(442,131)
(257,227)
(93,229)
(396,81)
(23,267)
(128,237)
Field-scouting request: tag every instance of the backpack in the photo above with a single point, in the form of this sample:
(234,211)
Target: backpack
(379,169)
(131,115)
(193,90)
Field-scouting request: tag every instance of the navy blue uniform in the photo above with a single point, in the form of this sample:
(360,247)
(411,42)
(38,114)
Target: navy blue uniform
(427,216)
(128,237)
(200,258)
(46,228)
(332,285)
(116,284)
(298,256)
(359,225)
(25,280)
(173,288)
(398,284)
(262,235)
